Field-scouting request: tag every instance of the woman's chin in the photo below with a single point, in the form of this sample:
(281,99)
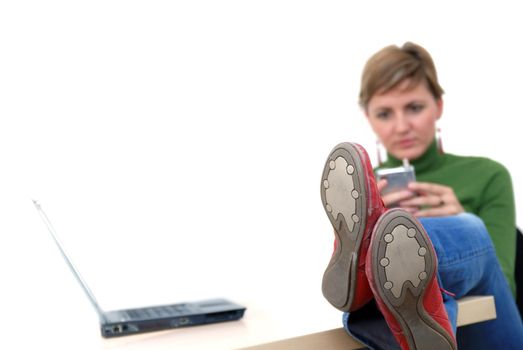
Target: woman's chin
(409,153)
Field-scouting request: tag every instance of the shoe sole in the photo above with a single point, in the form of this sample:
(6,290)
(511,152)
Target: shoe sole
(344,198)
(403,263)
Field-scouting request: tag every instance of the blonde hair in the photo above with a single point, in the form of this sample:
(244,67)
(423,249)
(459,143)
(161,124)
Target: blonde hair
(392,65)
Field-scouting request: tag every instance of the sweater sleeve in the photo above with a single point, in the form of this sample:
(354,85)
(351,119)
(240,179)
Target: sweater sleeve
(497,210)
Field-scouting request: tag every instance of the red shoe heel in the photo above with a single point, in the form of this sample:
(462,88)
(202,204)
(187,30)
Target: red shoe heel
(353,204)
(401,268)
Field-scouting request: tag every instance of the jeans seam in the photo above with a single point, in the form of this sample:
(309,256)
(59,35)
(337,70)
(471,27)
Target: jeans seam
(468,257)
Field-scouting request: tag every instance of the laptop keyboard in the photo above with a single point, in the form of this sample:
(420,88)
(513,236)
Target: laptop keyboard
(159,311)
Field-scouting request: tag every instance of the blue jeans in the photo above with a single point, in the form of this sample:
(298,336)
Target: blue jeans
(467,265)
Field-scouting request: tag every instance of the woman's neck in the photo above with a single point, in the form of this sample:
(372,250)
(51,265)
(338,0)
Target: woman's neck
(429,159)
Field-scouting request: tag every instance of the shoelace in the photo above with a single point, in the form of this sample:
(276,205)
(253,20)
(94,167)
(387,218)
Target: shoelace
(444,291)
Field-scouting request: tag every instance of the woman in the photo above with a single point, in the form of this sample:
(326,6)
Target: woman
(464,204)
(404,120)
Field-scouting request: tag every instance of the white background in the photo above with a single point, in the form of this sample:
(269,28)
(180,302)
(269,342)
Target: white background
(177,146)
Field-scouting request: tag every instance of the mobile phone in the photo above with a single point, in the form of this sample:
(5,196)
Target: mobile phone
(397,178)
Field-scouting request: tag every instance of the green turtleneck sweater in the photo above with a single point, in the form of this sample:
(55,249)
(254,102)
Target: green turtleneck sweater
(483,187)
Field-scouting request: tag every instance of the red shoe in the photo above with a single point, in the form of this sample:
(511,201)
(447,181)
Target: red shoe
(401,267)
(353,205)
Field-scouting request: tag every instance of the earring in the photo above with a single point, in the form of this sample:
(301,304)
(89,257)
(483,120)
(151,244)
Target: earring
(439,141)
(378,146)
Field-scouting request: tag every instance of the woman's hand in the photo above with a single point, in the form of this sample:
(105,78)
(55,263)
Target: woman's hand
(433,200)
(424,199)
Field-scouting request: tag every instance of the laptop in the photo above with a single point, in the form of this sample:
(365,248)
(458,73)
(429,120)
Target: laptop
(155,318)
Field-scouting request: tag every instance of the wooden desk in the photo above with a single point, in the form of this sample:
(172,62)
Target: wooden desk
(470,310)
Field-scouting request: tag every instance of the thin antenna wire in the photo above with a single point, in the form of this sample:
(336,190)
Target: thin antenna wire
(76,273)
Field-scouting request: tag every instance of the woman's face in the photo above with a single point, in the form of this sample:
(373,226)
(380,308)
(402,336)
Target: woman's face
(405,119)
